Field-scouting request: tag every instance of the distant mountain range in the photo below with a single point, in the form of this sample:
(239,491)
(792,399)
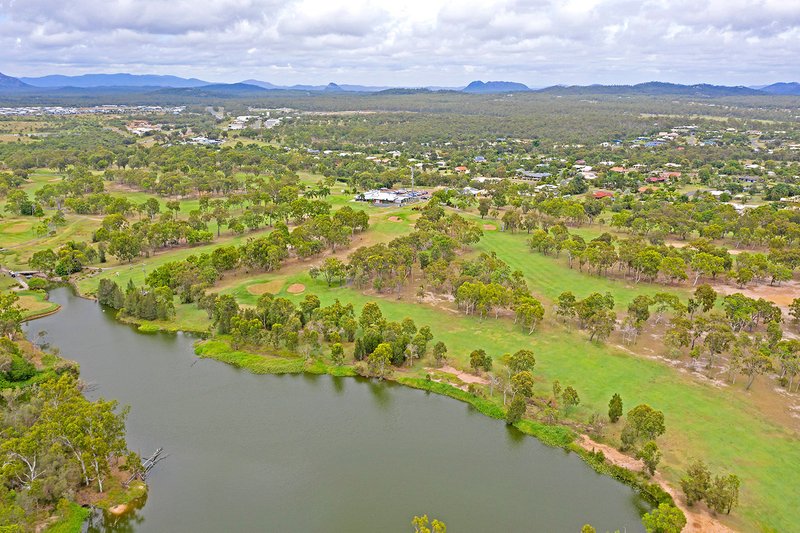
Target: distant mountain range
(158,81)
(215,90)
(118,84)
(329,87)
(249,88)
(113,80)
(656,88)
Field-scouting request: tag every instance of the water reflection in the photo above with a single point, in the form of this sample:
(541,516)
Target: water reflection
(338,384)
(380,393)
(514,436)
(301,455)
(310,378)
(101,521)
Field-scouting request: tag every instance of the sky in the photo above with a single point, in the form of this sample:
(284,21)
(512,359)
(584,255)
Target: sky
(408,42)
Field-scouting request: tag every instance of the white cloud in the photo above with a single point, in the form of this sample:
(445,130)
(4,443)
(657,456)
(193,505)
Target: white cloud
(411,42)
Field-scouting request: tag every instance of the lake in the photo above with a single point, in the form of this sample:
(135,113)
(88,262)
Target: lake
(316,453)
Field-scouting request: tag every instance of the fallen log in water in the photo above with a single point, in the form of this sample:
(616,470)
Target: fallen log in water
(147,465)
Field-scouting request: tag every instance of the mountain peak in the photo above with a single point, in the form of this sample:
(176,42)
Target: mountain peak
(785,88)
(489,87)
(259,83)
(7,82)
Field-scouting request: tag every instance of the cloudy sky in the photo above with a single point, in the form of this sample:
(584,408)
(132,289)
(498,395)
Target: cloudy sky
(408,42)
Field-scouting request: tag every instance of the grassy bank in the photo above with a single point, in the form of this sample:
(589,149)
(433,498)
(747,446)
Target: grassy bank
(266,363)
(187,318)
(71,518)
(35,304)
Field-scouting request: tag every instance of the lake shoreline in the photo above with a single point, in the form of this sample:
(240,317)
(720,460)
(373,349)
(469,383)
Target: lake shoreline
(121,493)
(551,435)
(655,492)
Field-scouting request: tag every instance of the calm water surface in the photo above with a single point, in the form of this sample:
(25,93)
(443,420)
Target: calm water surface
(308,454)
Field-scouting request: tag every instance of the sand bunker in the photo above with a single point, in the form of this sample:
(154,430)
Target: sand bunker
(395,219)
(296,288)
(490,227)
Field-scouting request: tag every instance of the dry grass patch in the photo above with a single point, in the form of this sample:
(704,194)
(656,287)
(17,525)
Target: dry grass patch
(19,227)
(273,286)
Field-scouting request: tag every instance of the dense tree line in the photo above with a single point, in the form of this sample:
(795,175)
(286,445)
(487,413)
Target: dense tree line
(766,225)
(640,260)
(53,441)
(437,237)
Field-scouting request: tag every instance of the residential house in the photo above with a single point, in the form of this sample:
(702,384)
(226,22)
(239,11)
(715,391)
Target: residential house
(602,194)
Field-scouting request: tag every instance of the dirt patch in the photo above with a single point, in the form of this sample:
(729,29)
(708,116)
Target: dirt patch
(463,376)
(395,219)
(697,519)
(684,244)
(441,303)
(296,288)
(118,510)
(273,287)
(613,455)
(781,296)
(489,227)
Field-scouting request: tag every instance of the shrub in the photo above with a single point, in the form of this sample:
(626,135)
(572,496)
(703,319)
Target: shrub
(38,284)
(21,369)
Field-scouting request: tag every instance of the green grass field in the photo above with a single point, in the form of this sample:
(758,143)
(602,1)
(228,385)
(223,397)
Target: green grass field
(549,276)
(7,282)
(21,242)
(139,197)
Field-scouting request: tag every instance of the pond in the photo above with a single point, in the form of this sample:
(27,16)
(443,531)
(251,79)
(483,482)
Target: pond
(316,453)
